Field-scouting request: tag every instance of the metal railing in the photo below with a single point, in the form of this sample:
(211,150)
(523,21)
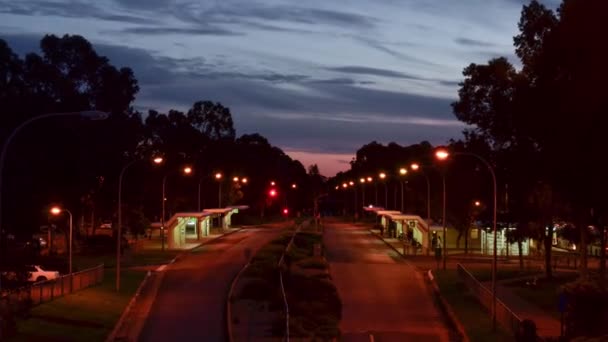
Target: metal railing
(504,316)
(281,262)
(48,290)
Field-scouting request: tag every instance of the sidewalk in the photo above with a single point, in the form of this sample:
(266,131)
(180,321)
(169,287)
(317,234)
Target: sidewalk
(547,326)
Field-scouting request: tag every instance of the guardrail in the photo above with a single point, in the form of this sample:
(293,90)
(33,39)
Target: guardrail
(281,261)
(46,291)
(504,316)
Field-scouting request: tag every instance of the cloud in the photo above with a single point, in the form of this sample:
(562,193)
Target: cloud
(294,14)
(159,30)
(472,42)
(145,4)
(374,72)
(72,9)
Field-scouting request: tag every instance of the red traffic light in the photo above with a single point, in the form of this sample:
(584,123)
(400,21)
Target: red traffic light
(272,193)
(285,211)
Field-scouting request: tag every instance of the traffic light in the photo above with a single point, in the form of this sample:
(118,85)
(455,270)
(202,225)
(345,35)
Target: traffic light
(285,211)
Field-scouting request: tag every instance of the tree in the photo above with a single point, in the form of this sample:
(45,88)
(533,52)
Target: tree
(212,119)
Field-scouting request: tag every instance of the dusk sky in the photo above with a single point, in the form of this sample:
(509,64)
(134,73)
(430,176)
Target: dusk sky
(317,78)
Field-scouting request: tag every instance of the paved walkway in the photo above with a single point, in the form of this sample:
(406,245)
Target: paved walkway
(384,297)
(547,325)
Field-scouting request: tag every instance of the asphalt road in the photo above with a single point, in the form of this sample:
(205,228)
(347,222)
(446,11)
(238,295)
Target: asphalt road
(190,304)
(384,297)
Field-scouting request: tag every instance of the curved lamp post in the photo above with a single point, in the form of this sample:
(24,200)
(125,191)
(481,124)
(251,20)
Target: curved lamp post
(187,171)
(443,154)
(157,161)
(90,115)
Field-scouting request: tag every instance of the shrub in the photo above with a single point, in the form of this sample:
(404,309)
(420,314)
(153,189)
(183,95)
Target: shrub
(587,308)
(313,262)
(257,289)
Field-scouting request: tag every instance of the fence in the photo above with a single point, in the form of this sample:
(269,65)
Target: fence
(46,291)
(504,316)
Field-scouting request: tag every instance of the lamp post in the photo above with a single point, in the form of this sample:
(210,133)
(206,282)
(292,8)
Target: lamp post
(90,115)
(157,161)
(362,181)
(402,173)
(218,177)
(382,177)
(56,211)
(416,168)
(187,171)
(198,198)
(443,154)
(355,211)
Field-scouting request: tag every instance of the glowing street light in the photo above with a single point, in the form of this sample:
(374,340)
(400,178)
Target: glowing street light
(362,180)
(244,180)
(443,154)
(187,171)
(344,185)
(57,211)
(477,203)
(416,168)
(402,172)
(272,193)
(272,183)
(235,179)
(218,176)
(158,160)
(382,176)
(351,183)
(370,179)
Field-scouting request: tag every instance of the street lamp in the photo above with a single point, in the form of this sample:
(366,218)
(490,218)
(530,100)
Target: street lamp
(443,154)
(362,181)
(477,203)
(416,168)
(157,161)
(382,176)
(402,173)
(218,177)
(89,115)
(57,211)
(187,171)
(294,185)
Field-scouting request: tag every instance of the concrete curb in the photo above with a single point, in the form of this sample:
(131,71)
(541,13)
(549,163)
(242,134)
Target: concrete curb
(121,321)
(127,310)
(447,308)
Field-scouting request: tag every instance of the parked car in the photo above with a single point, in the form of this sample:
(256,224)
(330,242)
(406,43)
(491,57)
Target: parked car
(37,274)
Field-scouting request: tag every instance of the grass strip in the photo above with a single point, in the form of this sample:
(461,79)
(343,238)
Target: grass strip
(88,315)
(473,316)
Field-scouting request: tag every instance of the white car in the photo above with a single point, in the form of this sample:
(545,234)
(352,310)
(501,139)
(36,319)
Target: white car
(38,274)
